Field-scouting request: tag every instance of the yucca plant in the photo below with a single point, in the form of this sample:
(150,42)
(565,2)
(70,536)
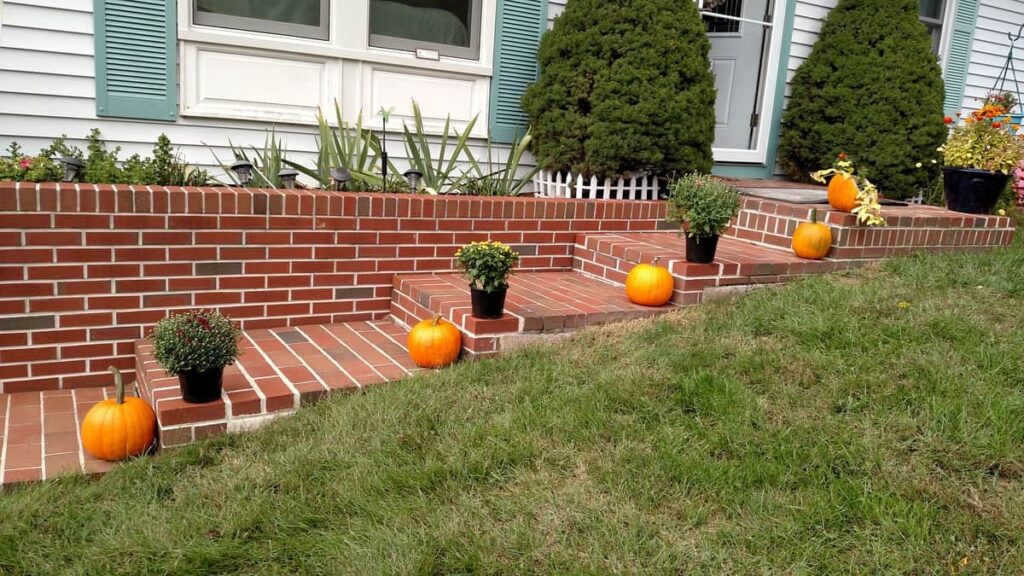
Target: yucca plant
(439,172)
(505,181)
(266,162)
(353,148)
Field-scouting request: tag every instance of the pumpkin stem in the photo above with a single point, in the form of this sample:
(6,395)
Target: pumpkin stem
(655,261)
(437,318)
(814,215)
(118,385)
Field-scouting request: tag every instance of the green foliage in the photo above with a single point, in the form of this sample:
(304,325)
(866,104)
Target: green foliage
(488,264)
(508,180)
(872,88)
(703,204)
(438,172)
(353,148)
(981,143)
(267,162)
(197,340)
(625,87)
(102,165)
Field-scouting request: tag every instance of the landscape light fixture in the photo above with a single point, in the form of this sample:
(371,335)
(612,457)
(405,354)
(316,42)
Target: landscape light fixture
(288,177)
(340,176)
(72,168)
(243,172)
(413,176)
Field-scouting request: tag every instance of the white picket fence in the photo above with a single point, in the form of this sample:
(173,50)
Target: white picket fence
(549,184)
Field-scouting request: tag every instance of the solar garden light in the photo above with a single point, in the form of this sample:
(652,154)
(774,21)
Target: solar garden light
(287,177)
(340,176)
(72,168)
(243,172)
(413,176)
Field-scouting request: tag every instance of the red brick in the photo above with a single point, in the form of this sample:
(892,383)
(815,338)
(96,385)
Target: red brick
(56,272)
(84,287)
(54,238)
(57,305)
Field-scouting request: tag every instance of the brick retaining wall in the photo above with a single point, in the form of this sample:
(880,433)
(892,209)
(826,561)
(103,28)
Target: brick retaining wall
(88,269)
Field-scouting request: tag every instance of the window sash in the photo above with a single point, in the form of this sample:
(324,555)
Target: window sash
(321,32)
(471,52)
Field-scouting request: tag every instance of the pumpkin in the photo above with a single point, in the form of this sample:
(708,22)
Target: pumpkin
(812,240)
(650,284)
(842,192)
(434,343)
(118,427)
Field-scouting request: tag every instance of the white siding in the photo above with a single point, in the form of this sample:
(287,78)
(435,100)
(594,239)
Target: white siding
(996,18)
(47,88)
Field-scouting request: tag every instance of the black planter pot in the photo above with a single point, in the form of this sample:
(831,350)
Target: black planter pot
(701,249)
(201,387)
(973,191)
(488,305)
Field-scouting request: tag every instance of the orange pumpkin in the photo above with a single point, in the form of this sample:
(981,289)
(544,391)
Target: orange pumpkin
(119,427)
(812,240)
(650,284)
(842,192)
(434,343)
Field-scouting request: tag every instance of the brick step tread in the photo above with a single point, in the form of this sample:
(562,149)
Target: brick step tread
(536,302)
(278,370)
(734,258)
(39,436)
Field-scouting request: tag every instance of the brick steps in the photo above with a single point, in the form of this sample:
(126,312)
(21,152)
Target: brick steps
(39,434)
(278,371)
(610,257)
(537,303)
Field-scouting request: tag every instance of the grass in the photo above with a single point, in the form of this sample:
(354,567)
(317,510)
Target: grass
(821,427)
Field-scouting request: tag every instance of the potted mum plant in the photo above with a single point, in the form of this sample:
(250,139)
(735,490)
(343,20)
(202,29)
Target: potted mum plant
(488,265)
(704,205)
(979,155)
(195,346)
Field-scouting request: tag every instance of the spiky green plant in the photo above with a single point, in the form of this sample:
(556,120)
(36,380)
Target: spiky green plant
(505,180)
(266,162)
(439,172)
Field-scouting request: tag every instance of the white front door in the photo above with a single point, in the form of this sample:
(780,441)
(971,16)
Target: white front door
(745,52)
(737,50)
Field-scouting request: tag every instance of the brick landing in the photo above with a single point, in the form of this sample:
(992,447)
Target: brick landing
(39,434)
(537,302)
(279,369)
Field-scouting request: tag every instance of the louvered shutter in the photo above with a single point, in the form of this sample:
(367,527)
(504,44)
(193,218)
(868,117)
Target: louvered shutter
(136,59)
(959,60)
(519,28)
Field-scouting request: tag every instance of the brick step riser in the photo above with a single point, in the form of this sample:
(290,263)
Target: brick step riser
(773,224)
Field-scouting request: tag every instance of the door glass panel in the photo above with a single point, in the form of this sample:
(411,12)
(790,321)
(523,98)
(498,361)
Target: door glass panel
(932,8)
(715,25)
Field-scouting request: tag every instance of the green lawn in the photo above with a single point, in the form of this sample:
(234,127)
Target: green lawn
(821,427)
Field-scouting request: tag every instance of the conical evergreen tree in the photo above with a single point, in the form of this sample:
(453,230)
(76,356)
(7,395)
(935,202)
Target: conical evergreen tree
(625,86)
(872,88)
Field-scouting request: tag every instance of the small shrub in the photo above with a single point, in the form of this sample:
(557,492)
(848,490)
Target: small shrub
(198,340)
(703,204)
(488,264)
(872,88)
(625,87)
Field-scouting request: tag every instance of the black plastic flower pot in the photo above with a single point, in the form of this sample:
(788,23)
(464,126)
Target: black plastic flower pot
(973,191)
(488,305)
(701,249)
(201,387)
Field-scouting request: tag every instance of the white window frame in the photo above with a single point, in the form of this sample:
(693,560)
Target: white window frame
(322,32)
(471,52)
(944,36)
(759,154)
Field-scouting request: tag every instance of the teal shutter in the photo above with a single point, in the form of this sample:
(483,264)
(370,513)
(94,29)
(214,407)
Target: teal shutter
(136,59)
(519,28)
(959,59)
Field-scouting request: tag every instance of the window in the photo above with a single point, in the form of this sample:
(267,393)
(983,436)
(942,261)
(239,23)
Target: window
(729,8)
(302,18)
(933,14)
(452,27)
